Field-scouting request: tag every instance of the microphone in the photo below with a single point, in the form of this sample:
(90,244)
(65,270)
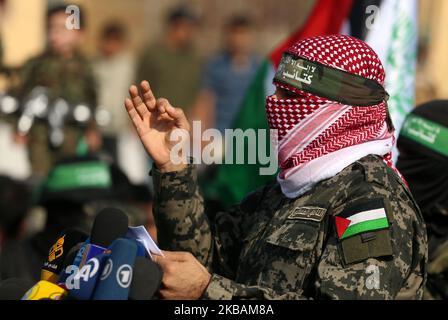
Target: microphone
(141,251)
(85,279)
(44,290)
(109,224)
(53,266)
(116,277)
(68,267)
(13,288)
(146,279)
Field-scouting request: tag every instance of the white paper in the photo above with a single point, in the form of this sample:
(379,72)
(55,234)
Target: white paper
(141,235)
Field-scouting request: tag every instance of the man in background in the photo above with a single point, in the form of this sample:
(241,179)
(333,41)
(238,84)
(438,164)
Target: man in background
(227,76)
(423,162)
(114,71)
(67,74)
(172,65)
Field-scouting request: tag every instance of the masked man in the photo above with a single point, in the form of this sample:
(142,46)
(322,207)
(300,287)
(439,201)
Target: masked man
(423,160)
(339,222)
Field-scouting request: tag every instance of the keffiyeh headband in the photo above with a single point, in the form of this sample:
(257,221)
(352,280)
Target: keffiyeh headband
(339,115)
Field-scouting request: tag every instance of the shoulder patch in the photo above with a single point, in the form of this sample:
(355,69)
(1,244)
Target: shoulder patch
(308,213)
(362,218)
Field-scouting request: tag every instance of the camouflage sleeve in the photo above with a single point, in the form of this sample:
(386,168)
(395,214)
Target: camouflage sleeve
(383,264)
(221,288)
(182,224)
(179,214)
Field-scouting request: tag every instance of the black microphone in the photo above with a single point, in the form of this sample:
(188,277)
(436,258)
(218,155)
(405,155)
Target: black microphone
(146,281)
(71,255)
(109,225)
(53,266)
(14,288)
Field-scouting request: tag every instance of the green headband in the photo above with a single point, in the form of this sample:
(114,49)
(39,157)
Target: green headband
(79,176)
(427,133)
(333,84)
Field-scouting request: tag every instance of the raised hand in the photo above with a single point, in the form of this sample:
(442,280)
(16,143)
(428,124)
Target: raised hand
(155,120)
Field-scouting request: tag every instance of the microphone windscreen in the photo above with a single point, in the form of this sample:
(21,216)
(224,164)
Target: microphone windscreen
(72,254)
(53,265)
(69,260)
(14,288)
(86,278)
(109,224)
(116,277)
(45,290)
(146,279)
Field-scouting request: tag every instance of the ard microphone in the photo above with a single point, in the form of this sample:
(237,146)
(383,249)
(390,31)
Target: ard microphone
(109,224)
(44,290)
(116,278)
(53,266)
(146,279)
(141,251)
(13,288)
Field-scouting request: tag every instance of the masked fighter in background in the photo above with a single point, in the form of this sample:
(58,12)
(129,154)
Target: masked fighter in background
(423,161)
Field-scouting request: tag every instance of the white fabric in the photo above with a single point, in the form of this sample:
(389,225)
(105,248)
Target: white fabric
(329,165)
(367,216)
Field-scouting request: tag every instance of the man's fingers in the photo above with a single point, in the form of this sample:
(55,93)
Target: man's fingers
(135,117)
(168,266)
(177,256)
(148,95)
(162,261)
(166,294)
(138,102)
(176,114)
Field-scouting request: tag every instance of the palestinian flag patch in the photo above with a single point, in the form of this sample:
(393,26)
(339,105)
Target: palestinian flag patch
(366,217)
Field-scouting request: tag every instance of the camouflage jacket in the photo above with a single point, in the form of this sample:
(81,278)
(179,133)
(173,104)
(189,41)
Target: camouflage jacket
(70,79)
(272,247)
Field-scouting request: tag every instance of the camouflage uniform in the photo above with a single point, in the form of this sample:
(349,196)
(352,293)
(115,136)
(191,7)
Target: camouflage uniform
(272,247)
(71,80)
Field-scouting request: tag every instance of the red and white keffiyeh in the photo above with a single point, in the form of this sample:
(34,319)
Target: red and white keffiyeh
(318,138)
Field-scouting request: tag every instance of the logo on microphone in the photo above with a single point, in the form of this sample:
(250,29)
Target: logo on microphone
(107,269)
(57,249)
(124,276)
